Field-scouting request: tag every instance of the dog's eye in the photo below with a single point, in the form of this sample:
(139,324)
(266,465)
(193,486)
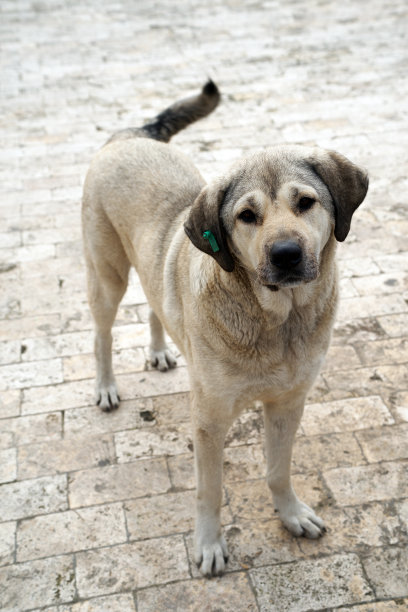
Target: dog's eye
(305,203)
(247,216)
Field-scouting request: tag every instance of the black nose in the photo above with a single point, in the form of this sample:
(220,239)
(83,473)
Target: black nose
(286,254)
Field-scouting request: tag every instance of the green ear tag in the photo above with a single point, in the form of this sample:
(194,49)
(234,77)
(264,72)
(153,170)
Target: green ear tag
(211,239)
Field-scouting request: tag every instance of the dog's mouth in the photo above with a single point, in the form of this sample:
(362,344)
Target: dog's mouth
(290,282)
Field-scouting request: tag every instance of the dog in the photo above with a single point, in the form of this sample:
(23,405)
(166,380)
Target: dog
(240,272)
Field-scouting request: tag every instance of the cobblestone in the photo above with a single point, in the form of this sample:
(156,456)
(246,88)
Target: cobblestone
(96,509)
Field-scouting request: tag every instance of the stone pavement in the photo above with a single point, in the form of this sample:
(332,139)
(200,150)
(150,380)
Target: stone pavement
(96,509)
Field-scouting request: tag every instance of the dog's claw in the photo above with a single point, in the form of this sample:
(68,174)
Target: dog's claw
(163,359)
(108,398)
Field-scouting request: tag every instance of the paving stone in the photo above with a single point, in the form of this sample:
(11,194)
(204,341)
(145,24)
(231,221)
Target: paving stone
(356,529)
(35,374)
(360,382)
(10,403)
(31,497)
(293,587)
(82,366)
(380,606)
(311,453)
(387,570)
(64,455)
(30,429)
(345,415)
(131,566)
(37,583)
(229,594)
(384,444)
(66,532)
(363,484)
(68,395)
(7,542)
(152,441)
(91,420)
(8,465)
(118,482)
(394,325)
(252,500)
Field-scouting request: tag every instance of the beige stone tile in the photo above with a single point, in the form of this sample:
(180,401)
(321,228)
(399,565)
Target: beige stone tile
(27,327)
(163,515)
(171,409)
(111,603)
(379,380)
(7,542)
(59,345)
(252,500)
(229,594)
(385,444)
(358,330)
(82,366)
(131,566)
(70,531)
(152,441)
(362,484)
(118,482)
(365,306)
(64,456)
(341,357)
(244,462)
(331,450)
(33,428)
(387,570)
(68,395)
(258,543)
(292,587)
(397,262)
(181,469)
(31,497)
(152,383)
(361,267)
(34,374)
(37,583)
(381,284)
(91,420)
(8,465)
(355,529)
(9,404)
(394,325)
(384,352)
(10,352)
(345,415)
(247,429)
(379,606)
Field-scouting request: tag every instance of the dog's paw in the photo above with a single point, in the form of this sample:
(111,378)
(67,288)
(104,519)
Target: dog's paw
(300,520)
(163,359)
(107,397)
(211,558)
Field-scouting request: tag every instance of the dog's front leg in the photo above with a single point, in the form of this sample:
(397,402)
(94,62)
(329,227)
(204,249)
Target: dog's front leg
(281,422)
(211,551)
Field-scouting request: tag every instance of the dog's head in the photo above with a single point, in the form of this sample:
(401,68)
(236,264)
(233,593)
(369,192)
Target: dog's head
(275,211)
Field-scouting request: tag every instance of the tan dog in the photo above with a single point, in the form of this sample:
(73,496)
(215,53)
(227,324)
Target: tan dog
(242,275)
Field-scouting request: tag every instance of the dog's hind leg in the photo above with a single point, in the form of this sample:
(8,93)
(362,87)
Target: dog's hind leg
(107,272)
(160,355)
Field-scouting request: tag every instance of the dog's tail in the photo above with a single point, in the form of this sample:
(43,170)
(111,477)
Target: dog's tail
(176,117)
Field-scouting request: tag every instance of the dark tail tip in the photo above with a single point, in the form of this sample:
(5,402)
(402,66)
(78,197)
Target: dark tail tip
(210,89)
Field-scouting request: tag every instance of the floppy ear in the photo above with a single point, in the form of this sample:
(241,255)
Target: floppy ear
(347,184)
(205,229)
